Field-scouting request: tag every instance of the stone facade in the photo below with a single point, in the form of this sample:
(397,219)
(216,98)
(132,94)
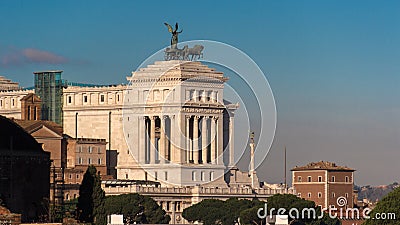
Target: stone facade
(10,103)
(31,107)
(24,173)
(8,85)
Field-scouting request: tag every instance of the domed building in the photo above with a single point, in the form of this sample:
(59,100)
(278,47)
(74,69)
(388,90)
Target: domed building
(24,172)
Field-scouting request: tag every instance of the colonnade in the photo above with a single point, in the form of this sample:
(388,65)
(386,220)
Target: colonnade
(199,139)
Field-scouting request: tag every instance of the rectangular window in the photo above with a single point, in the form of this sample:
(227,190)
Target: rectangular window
(211,175)
(101,98)
(191,95)
(155,175)
(80,161)
(13,102)
(166,175)
(99,161)
(333,179)
(98,150)
(89,161)
(319,195)
(193,175)
(201,93)
(69,99)
(29,112)
(85,99)
(333,194)
(70,176)
(346,179)
(346,195)
(90,149)
(299,178)
(319,179)
(34,113)
(309,194)
(77,176)
(309,178)
(1,103)
(202,176)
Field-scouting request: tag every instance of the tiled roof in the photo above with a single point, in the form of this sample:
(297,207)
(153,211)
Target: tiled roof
(33,125)
(322,165)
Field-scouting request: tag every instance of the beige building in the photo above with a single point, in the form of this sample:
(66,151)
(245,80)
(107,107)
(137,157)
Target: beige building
(10,102)
(8,85)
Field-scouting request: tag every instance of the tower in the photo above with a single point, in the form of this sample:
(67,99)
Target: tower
(173,123)
(48,86)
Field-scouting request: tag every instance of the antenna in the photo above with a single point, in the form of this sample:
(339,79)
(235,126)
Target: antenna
(285,170)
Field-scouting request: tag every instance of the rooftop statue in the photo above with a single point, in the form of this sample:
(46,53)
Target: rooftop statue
(186,53)
(174,38)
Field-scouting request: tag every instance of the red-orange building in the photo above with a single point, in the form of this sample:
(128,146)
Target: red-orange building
(82,152)
(325,183)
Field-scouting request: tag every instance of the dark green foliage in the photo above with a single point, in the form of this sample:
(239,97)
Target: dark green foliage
(217,212)
(208,211)
(389,204)
(249,216)
(70,208)
(90,205)
(136,208)
(233,207)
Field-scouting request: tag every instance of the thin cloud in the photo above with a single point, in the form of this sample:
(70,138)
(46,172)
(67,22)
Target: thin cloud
(16,57)
(39,56)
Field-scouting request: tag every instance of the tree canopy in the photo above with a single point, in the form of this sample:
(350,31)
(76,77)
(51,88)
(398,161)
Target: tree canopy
(217,212)
(136,208)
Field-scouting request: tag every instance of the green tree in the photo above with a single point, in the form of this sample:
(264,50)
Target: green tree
(136,209)
(249,216)
(91,198)
(233,207)
(387,206)
(208,211)
(213,211)
(289,201)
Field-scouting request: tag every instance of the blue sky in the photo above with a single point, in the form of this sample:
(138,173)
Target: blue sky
(333,65)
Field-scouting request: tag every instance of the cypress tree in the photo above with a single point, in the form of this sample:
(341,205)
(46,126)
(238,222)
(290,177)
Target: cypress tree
(91,198)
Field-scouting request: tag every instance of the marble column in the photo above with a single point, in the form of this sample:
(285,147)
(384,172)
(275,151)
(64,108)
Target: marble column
(204,142)
(172,139)
(213,139)
(152,139)
(162,145)
(196,149)
(142,139)
(220,144)
(188,150)
(231,141)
